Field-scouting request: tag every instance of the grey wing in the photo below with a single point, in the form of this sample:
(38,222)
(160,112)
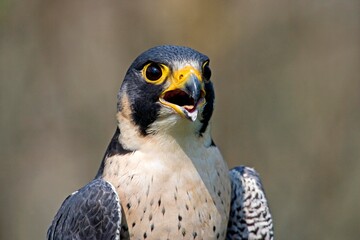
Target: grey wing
(250,217)
(93,212)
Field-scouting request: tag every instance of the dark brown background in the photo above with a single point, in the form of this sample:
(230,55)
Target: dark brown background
(287,78)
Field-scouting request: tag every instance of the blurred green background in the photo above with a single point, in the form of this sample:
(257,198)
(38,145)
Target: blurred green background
(287,79)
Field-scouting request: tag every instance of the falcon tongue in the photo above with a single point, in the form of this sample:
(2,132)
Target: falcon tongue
(190,108)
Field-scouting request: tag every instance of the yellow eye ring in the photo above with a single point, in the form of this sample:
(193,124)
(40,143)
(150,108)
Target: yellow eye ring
(206,71)
(155,73)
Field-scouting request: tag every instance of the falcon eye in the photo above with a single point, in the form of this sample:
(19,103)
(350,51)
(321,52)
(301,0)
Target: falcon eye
(206,71)
(153,71)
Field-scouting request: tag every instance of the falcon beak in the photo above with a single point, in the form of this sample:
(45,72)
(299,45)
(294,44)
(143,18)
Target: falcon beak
(186,93)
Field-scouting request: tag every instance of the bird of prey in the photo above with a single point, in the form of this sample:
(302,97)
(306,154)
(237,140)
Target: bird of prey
(162,176)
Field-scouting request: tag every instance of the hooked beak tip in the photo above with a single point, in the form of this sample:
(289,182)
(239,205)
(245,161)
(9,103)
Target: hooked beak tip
(193,88)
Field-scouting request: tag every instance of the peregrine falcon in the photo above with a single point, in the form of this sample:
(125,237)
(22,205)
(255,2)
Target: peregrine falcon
(162,176)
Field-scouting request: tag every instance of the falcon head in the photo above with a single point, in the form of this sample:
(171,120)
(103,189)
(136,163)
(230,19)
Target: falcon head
(167,86)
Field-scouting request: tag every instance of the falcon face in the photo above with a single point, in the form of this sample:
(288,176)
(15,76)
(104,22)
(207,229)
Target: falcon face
(165,85)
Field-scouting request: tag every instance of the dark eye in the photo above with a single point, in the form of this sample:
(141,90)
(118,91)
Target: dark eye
(153,72)
(206,71)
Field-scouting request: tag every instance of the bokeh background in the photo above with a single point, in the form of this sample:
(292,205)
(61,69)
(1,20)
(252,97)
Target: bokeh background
(287,78)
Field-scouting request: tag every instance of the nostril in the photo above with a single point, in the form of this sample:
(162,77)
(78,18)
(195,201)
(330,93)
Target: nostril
(181,76)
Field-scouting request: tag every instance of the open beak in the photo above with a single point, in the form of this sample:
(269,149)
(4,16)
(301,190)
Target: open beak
(186,93)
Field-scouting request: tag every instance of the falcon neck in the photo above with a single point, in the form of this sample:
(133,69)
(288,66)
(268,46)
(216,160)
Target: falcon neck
(183,133)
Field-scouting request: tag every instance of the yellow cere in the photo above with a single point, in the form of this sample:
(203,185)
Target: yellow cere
(181,76)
